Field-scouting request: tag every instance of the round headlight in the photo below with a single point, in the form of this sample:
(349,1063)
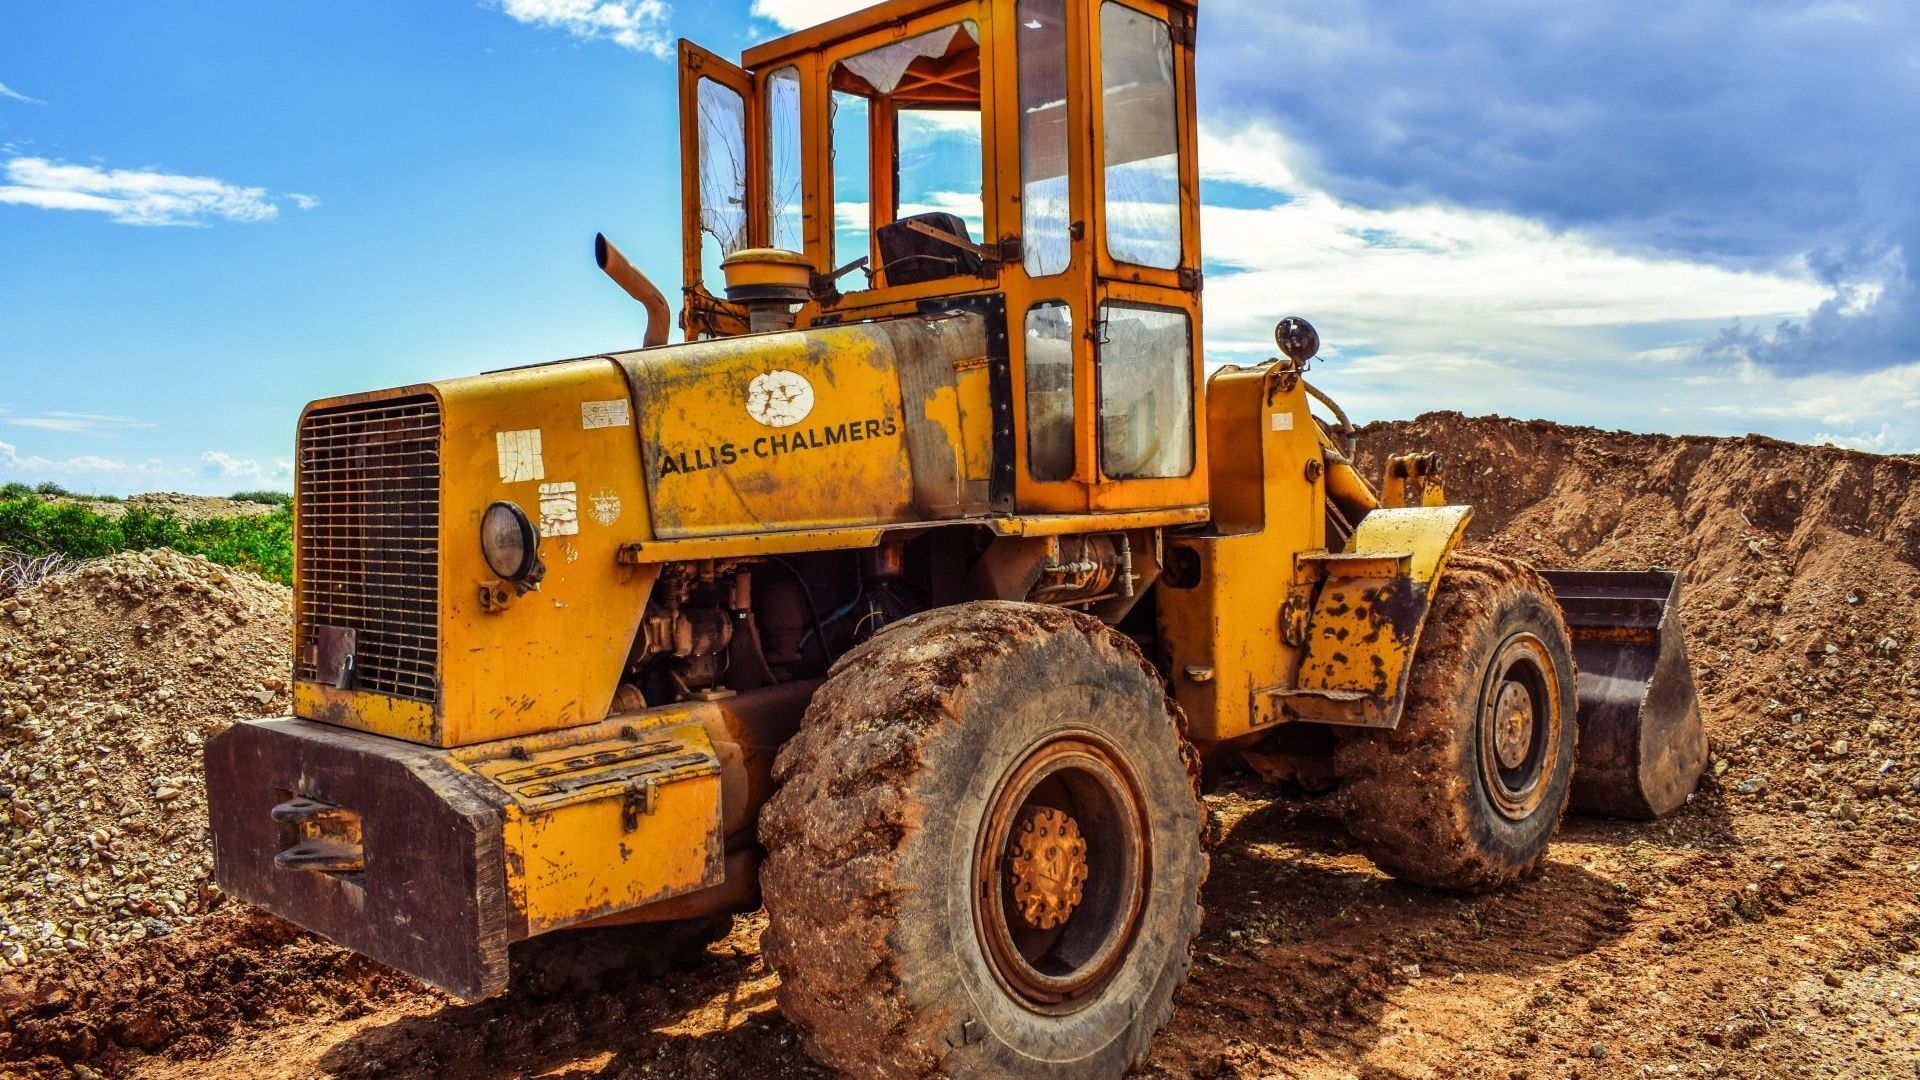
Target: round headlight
(508,541)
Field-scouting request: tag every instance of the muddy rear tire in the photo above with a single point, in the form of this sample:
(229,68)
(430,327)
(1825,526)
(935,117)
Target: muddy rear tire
(985,856)
(1467,793)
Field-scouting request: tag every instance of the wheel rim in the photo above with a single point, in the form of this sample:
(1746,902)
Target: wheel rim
(1519,726)
(1060,872)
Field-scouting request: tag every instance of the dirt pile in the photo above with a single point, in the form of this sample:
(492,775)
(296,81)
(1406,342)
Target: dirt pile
(1801,592)
(111,678)
(237,967)
(184,507)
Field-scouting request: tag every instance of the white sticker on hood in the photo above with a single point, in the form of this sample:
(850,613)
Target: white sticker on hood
(604,414)
(520,456)
(559,510)
(779,398)
(605,506)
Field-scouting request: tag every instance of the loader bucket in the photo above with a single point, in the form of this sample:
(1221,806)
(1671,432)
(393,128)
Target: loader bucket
(1642,747)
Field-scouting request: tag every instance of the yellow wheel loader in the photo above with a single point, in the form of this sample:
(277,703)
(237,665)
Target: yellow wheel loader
(916,591)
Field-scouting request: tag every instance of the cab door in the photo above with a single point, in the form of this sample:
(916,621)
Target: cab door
(719,141)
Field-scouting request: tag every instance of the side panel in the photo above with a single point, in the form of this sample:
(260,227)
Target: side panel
(833,426)
(551,658)
(1227,629)
(559,442)
(612,818)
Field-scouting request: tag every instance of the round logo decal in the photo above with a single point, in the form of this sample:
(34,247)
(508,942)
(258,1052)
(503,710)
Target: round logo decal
(779,398)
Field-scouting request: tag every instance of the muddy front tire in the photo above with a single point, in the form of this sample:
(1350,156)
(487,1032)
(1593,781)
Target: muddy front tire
(985,857)
(1467,792)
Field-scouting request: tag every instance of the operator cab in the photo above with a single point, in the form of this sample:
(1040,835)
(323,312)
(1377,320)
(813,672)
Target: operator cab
(1029,159)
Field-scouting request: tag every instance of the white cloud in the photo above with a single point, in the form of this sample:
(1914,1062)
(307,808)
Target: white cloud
(795,14)
(9,92)
(640,25)
(216,463)
(1421,274)
(1856,399)
(77,423)
(89,468)
(132,196)
(1438,307)
(1884,441)
(1257,156)
(304,202)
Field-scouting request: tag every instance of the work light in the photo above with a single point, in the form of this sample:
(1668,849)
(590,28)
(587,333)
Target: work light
(508,541)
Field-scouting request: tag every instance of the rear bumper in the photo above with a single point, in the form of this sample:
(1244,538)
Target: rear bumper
(432,898)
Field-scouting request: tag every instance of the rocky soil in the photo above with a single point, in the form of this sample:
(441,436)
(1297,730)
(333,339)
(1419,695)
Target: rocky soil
(1767,929)
(110,679)
(184,507)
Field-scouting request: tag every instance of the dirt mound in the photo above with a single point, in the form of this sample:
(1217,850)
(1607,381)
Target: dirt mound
(1801,586)
(111,678)
(184,507)
(238,967)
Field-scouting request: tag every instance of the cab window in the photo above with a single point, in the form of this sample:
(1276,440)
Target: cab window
(1049,366)
(722,125)
(913,106)
(784,162)
(1142,138)
(1146,392)
(1045,232)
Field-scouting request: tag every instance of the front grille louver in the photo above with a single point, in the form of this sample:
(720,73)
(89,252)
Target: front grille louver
(369,541)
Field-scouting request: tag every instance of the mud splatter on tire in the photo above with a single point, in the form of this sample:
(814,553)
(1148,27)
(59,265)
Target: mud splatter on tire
(1416,797)
(867,878)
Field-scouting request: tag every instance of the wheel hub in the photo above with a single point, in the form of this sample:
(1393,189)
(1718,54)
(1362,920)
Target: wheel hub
(1513,725)
(1049,866)
(1060,872)
(1519,726)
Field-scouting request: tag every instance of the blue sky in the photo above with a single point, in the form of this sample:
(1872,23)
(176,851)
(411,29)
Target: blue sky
(1662,217)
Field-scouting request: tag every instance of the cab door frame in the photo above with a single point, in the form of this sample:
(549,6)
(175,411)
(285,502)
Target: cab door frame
(697,63)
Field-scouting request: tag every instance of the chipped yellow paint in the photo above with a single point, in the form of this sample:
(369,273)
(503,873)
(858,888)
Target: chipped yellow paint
(394,717)
(1367,617)
(777,431)
(975,405)
(607,816)
(552,658)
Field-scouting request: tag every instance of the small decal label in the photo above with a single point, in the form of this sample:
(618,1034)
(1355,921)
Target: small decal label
(1283,421)
(520,456)
(604,507)
(559,510)
(599,414)
(779,398)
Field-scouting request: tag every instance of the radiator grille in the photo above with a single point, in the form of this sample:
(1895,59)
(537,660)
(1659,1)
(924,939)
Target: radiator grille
(369,541)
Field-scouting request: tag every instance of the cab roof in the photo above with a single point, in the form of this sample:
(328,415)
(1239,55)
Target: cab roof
(852,25)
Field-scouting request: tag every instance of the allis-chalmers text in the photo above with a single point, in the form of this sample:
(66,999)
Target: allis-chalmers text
(778,444)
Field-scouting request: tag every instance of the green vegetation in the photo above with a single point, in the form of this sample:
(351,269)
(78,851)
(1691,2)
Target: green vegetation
(15,489)
(261,543)
(265,498)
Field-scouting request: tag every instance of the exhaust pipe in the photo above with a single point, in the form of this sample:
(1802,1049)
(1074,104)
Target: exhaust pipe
(629,277)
